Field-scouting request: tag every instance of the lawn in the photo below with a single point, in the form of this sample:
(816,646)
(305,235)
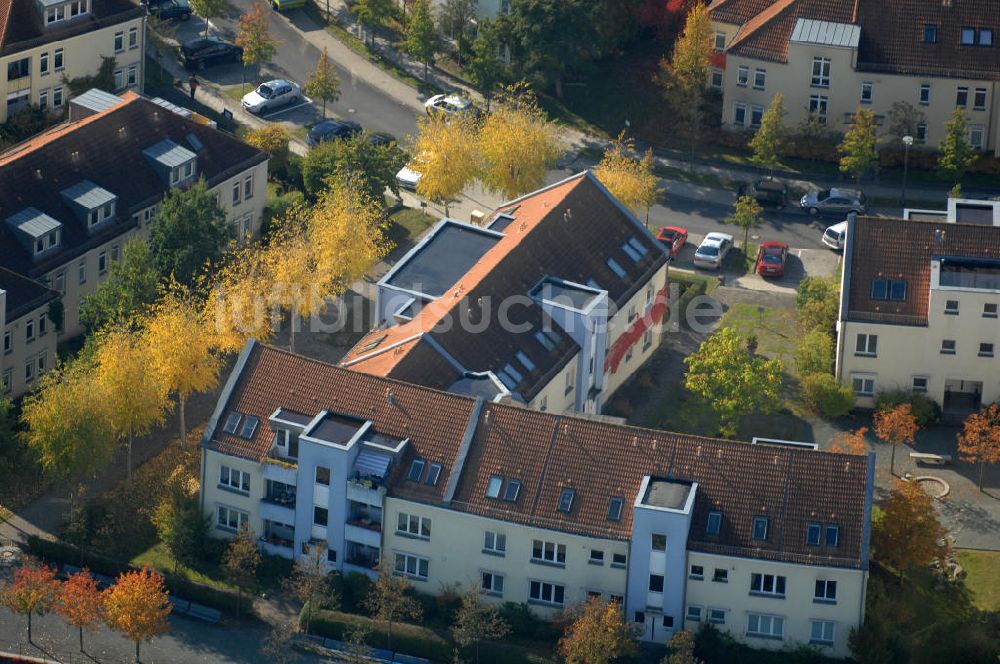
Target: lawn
(983,580)
(406,224)
(773,327)
(272,571)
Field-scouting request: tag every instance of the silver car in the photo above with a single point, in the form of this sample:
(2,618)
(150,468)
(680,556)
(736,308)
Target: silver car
(711,253)
(834,201)
(271,95)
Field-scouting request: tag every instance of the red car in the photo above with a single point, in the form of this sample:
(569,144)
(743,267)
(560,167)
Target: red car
(673,239)
(771,259)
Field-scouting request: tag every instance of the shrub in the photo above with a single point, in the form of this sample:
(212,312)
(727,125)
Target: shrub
(924,409)
(524,623)
(823,394)
(814,353)
(817,300)
(406,638)
(354,589)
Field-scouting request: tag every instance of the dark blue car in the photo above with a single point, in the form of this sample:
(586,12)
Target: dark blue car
(332,130)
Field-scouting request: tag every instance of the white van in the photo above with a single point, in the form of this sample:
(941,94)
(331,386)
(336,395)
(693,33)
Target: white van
(835,236)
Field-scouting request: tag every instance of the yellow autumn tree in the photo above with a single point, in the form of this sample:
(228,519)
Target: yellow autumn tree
(179,350)
(136,606)
(629,179)
(446,157)
(134,395)
(298,286)
(517,144)
(597,635)
(238,307)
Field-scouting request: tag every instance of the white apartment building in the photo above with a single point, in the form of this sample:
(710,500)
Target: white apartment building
(768,542)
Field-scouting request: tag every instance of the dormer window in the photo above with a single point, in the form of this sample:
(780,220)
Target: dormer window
(38,232)
(61,11)
(175,163)
(93,204)
(566,500)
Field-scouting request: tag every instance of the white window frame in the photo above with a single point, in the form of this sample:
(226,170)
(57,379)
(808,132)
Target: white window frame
(768,584)
(248,187)
(924,96)
(412,525)
(822,639)
(756,115)
(825,591)
(867,92)
(552,553)
(132,76)
(133,37)
(717,79)
(713,616)
(960,92)
(120,42)
(915,388)
(241,518)
(742,76)
(413,567)
(237,193)
(819,105)
(43,63)
(492,582)
(541,595)
(866,345)
(7,381)
(977,94)
(820,77)
(739,108)
(693,614)
(719,41)
(775,626)
(57,95)
(977,136)
(863,390)
(234,479)
(59,60)
(495,543)
(759,78)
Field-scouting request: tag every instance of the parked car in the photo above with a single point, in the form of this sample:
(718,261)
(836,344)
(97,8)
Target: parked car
(449,105)
(170,9)
(834,201)
(381,138)
(768,192)
(836,236)
(281,5)
(408,178)
(711,253)
(673,238)
(271,95)
(771,259)
(202,52)
(332,130)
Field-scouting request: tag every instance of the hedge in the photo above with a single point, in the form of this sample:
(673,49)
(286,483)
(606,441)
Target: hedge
(406,638)
(925,410)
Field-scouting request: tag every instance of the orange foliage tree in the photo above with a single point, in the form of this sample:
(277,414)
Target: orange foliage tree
(598,635)
(851,442)
(907,533)
(79,602)
(136,605)
(895,426)
(979,441)
(32,591)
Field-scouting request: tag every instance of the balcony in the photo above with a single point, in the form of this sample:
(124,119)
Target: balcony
(362,559)
(273,510)
(368,491)
(280,469)
(276,546)
(370,535)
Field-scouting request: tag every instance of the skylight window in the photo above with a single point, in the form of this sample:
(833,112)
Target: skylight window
(433,473)
(493,488)
(416,470)
(615,509)
(566,500)
(631,253)
(512,491)
(250,427)
(639,247)
(832,535)
(616,268)
(714,524)
(760,527)
(233,423)
(548,338)
(371,345)
(525,361)
(812,535)
(886,289)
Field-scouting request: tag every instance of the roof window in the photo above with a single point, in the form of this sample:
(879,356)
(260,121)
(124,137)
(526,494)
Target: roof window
(249,427)
(812,534)
(760,527)
(616,268)
(548,338)
(714,524)
(416,470)
(233,422)
(512,491)
(832,535)
(615,508)
(930,34)
(566,500)
(889,289)
(525,361)
(433,473)
(494,486)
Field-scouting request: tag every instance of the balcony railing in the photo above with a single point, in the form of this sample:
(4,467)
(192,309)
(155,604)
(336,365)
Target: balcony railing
(366,523)
(366,481)
(277,541)
(278,459)
(368,562)
(283,498)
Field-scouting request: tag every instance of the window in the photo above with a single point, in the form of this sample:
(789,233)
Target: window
(57,64)
(767,584)
(720,41)
(6,343)
(102,262)
(639,617)
(717,79)
(230,519)
(412,566)
(693,614)
(320,515)
(826,592)
(492,583)
(43,63)
(866,93)
(889,289)
(495,543)
(548,552)
(813,534)
(566,500)
(8,381)
(979,99)
(236,194)
(990,310)
(416,470)
(249,427)
(720,575)
(985,350)
(132,78)
(919,384)
(331,555)
(133,37)
(759,76)
(548,593)
(976,134)
(821,632)
(615,509)
(756,115)
(410,524)
(322,476)
(742,76)
(925,94)
(962,96)
(817,107)
(570,379)
(119,79)
(921,136)
(820,73)
(863,384)
(616,268)
(697,572)
(717,616)
(82,271)
(658,542)
(596,557)
(714,524)
(492,489)
(29,371)
(29,331)
(512,491)
(739,113)
(114,252)
(930,34)
(232,422)
(951,307)
(867,344)
(248,187)
(760,527)
(433,473)
(968,36)
(234,479)
(43,100)
(947,346)
(40,360)
(768,627)
(53,14)
(656,583)
(119,42)
(985,37)
(618,560)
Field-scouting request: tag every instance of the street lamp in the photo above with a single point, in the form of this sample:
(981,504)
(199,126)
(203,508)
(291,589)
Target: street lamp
(907,142)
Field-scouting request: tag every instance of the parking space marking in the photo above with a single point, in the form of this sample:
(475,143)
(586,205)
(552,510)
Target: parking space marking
(306,101)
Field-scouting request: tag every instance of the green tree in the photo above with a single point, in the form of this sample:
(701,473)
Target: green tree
(324,83)
(766,143)
(208,9)
(727,372)
(746,214)
(310,584)
(179,521)
(484,68)
(476,621)
(814,352)
(422,38)
(903,120)
(389,600)
(375,165)
(956,152)
(824,395)
(454,18)
(104,79)
(254,38)
(859,153)
(684,76)
(130,289)
(374,14)
(240,562)
(190,232)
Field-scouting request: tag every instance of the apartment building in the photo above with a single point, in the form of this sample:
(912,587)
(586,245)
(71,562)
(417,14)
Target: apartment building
(768,542)
(29,336)
(830,57)
(74,195)
(918,309)
(553,302)
(45,43)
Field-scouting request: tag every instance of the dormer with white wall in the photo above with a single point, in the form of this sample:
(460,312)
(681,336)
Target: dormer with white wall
(55,13)
(174,163)
(93,205)
(40,234)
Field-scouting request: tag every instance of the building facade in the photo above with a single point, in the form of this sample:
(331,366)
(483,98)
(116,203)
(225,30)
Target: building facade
(829,59)
(44,44)
(769,542)
(29,333)
(919,306)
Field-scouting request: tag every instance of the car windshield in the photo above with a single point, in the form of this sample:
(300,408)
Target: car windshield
(772,259)
(823,195)
(667,234)
(265,91)
(709,250)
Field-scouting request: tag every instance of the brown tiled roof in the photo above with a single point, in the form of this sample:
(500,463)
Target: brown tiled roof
(567,231)
(766,35)
(105,148)
(547,452)
(23,294)
(887,248)
(737,12)
(892,37)
(21,25)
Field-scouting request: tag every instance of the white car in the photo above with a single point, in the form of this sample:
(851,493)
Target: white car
(408,178)
(711,253)
(448,104)
(836,236)
(271,95)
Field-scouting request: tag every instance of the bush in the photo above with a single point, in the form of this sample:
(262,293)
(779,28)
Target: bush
(353,591)
(817,300)
(406,638)
(824,395)
(712,645)
(924,409)
(814,353)
(525,624)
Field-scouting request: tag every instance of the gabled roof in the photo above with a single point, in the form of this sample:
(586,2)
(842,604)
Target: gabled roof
(897,249)
(569,231)
(766,35)
(547,453)
(23,295)
(737,12)
(21,25)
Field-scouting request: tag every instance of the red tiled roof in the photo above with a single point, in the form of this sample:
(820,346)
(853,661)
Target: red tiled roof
(894,249)
(766,35)
(737,12)
(548,452)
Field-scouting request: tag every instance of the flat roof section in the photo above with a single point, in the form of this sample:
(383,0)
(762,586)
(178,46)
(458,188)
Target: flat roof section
(565,293)
(442,259)
(670,494)
(971,213)
(336,430)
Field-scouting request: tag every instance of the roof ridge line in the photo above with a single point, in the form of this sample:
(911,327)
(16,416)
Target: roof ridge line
(545,466)
(381,351)
(759,21)
(455,473)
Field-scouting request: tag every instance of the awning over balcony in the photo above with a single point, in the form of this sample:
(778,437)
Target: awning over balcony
(372,463)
